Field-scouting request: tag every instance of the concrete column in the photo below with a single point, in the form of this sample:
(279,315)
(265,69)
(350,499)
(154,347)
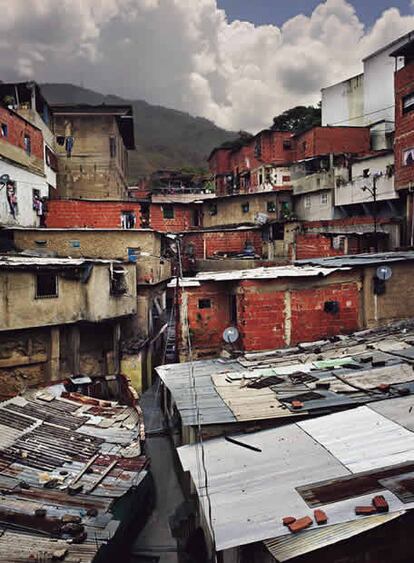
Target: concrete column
(54,355)
(116,346)
(74,350)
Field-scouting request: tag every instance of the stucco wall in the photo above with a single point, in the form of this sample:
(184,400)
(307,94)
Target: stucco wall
(76,301)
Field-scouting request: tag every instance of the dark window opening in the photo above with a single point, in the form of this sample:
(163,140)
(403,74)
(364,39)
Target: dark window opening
(287,145)
(46,285)
(196,218)
(60,140)
(112,147)
(128,219)
(245,207)
(408,103)
(285,178)
(27,144)
(4,130)
(212,209)
(278,231)
(204,303)
(118,282)
(271,207)
(233,310)
(168,211)
(145,215)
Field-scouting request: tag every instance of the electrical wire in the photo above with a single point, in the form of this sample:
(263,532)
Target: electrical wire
(198,417)
(362,115)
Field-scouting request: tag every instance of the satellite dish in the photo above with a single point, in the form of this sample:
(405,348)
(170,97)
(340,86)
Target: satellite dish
(4,178)
(384,273)
(230,335)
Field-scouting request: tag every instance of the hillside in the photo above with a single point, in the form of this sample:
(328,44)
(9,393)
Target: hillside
(165,138)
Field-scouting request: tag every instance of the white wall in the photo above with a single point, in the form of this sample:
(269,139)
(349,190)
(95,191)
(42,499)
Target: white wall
(352,192)
(343,103)
(319,210)
(25,182)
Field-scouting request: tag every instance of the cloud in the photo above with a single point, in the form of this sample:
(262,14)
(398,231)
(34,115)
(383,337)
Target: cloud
(186,55)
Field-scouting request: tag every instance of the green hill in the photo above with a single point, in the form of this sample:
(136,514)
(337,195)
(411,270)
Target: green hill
(165,138)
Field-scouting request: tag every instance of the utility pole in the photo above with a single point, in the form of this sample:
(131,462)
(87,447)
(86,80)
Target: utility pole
(373,192)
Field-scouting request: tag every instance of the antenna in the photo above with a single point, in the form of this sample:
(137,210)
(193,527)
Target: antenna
(230,335)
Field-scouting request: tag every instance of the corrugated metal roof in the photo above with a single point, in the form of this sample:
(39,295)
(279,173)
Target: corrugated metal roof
(288,547)
(7,261)
(181,198)
(225,393)
(358,259)
(264,273)
(251,491)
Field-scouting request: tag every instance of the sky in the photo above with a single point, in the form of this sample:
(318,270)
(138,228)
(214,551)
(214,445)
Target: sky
(236,62)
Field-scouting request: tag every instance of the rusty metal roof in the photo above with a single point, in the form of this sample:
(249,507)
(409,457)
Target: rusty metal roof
(52,441)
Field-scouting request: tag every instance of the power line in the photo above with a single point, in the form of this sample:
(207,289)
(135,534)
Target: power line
(198,417)
(362,115)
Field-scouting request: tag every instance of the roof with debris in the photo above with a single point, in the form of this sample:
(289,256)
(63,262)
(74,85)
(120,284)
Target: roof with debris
(352,260)
(309,379)
(25,261)
(263,273)
(334,463)
(65,459)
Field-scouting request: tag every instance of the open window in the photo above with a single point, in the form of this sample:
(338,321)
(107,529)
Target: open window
(112,147)
(204,303)
(118,280)
(46,285)
(168,211)
(128,219)
(408,103)
(27,142)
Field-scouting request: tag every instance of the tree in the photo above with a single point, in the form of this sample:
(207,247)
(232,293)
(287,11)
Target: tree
(298,119)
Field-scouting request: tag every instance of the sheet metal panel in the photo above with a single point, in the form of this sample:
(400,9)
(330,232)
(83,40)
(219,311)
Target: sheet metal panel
(362,439)
(288,547)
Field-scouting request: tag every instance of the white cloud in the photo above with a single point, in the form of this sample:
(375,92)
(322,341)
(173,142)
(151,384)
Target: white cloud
(185,54)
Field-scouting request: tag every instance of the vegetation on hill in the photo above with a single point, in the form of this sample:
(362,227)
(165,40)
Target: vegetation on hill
(165,138)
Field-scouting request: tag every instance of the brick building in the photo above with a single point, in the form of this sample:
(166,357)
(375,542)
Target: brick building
(404,133)
(23,182)
(283,306)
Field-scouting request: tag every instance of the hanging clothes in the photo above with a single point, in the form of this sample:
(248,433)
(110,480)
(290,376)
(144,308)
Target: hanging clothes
(69,142)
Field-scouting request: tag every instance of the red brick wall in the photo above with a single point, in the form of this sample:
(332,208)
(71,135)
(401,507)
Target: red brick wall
(206,325)
(223,241)
(263,314)
(314,246)
(99,214)
(310,322)
(17,129)
(219,163)
(261,317)
(404,127)
(183,218)
(326,140)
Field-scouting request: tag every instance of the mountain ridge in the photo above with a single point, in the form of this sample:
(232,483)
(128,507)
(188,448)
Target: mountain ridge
(165,138)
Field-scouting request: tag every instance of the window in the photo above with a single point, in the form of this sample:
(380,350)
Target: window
(27,144)
(4,130)
(408,157)
(260,178)
(204,303)
(285,178)
(307,202)
(128,219)
(60,139)
(324,198)
(287,145)
(408,103)
(46,285)
(245,207)
(258,148)
(212,209)
(118,281)
(168,211)
(112,147)
(51,159)
(271,207)
(233,309)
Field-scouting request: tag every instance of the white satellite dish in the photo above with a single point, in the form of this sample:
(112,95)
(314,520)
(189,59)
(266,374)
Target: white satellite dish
(230,335)
(384,273)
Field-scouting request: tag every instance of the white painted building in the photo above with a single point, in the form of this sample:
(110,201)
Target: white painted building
(362,172)
(27,186)
(368,98)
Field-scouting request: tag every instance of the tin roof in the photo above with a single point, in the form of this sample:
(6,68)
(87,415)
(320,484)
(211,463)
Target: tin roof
(21,261)
(263,273)
(324,376)
(49,442)
(251,491)
(358,259)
